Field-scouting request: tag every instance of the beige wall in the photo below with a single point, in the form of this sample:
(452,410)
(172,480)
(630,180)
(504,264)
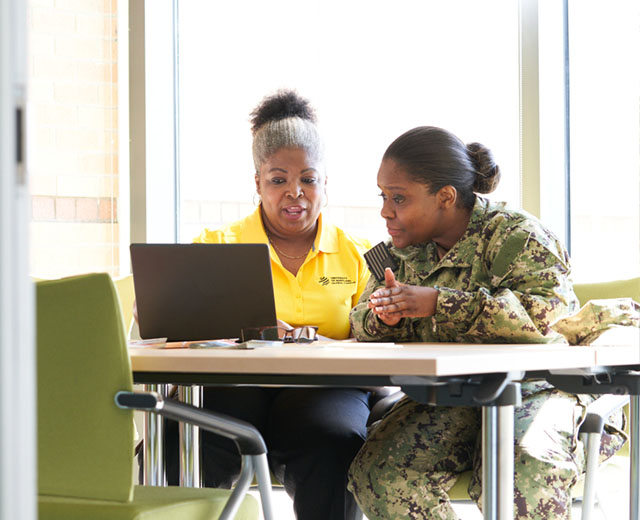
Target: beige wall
(73,138)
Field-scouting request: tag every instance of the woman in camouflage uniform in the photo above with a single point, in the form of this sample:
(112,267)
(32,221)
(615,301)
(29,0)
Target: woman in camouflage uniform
(469,270)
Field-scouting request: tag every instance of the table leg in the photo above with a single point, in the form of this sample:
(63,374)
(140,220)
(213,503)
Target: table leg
(154,474)
(634,489)
(497,462)
(190,475)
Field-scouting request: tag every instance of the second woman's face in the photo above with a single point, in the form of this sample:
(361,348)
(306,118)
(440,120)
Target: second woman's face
(412,214)
(292,190)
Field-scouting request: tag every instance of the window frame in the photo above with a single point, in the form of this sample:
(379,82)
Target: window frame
(154,202)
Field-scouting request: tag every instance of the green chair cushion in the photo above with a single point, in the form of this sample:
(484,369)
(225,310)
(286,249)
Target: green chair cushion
(459,491)
(616,289)
(149,503)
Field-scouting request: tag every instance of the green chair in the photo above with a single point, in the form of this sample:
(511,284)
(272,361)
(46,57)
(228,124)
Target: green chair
(85,440)
(597,411)
(615,289)
(126,294)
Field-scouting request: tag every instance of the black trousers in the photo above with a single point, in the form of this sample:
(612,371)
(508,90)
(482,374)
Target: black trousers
(312,435)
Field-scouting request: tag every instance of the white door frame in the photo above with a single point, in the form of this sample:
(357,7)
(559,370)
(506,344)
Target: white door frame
(17,346)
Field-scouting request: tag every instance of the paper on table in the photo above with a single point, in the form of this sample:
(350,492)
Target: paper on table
(344,344)
(258,343)
(618,335)
(148,343)
(215,343)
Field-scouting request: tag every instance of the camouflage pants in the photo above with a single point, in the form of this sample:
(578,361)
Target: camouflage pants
(413,457)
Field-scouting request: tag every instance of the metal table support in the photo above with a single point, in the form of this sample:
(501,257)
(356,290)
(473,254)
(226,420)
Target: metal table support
(634,481)
(190,471)
(497,462)
(154,474)
(497,394)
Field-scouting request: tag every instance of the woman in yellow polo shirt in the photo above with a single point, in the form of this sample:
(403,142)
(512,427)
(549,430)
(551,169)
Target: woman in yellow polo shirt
(320,285)
(319,272)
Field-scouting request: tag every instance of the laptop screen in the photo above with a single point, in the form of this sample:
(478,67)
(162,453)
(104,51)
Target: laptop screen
(201,291)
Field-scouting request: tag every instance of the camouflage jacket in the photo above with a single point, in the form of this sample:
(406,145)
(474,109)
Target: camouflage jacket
(505,281)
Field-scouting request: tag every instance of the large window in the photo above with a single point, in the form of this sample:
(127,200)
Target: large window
(604,51)
(372,69)
(552,88)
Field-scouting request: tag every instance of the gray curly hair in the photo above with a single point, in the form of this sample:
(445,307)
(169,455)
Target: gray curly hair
(284,120)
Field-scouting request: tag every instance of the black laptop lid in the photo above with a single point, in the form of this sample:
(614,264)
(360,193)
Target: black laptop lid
(201,291)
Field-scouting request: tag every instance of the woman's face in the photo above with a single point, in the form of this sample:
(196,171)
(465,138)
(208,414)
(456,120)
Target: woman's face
(291,186)
(413,215)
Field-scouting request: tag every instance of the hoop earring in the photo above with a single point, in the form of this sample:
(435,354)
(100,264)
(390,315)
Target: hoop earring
(326,200)
(259,199)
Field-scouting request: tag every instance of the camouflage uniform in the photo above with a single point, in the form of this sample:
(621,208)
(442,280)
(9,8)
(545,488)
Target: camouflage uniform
(504,281)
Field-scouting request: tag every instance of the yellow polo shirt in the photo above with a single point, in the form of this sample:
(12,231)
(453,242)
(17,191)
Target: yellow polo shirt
(328,283)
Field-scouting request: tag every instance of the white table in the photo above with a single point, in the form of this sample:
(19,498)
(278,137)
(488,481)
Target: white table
(414,364)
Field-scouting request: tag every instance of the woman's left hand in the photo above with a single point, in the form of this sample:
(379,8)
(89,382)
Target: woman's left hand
(399,300)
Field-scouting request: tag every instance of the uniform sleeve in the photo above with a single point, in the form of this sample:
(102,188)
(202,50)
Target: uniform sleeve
(529,291)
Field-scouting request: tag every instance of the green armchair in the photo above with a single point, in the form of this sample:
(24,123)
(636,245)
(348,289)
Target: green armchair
(86,440)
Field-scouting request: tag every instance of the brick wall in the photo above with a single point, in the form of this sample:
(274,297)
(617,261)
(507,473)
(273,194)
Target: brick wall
(73,138)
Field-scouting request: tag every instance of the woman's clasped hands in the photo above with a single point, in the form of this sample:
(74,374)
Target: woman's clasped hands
(398,300)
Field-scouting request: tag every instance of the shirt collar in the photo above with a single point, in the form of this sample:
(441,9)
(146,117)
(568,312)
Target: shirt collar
(326,237)
(463,251)
(253,231)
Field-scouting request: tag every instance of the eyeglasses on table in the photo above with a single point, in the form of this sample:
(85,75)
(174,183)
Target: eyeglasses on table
(305,334)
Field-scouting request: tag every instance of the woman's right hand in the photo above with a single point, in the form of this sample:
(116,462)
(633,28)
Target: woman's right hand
(381,299)
(398,300)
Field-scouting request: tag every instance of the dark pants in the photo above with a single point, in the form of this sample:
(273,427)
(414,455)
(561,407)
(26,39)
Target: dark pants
(312,435)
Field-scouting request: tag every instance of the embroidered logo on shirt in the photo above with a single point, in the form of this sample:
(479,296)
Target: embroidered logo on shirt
(335,280)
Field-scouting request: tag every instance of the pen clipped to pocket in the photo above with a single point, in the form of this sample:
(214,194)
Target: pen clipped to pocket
(378,258)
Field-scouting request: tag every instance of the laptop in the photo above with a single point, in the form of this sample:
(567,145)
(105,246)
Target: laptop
(190,292)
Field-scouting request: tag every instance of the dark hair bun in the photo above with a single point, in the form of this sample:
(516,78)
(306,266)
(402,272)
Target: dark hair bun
(281,105)
(486,170)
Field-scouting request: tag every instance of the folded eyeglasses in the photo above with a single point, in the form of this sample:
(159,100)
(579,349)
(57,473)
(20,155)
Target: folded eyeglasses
(306,334)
